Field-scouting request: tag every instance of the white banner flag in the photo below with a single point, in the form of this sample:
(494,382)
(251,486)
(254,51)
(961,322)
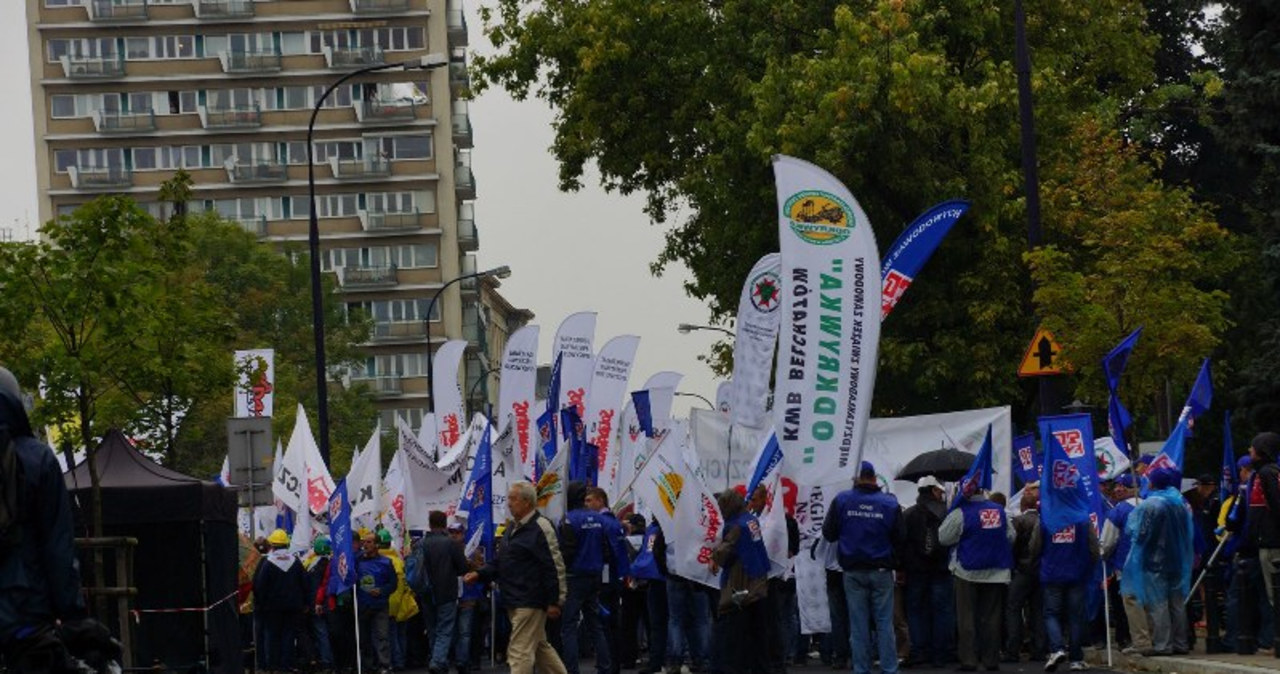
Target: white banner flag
(1111,461)
(756,335)
(364,480)
(446,394)
(830,329)
(573,346)
(724,397)
(255,383)
(391,503)
(412,446)
(634,447)
(698,528)
(662,477)
(320,484)
(604,400)
(517,391)
(291,471)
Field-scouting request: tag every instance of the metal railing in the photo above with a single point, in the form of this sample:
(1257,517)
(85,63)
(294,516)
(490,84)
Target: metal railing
(464,182)
(230,116)
(223,9)
(117,121)
(116,10)
(393,330)
(374,6)
(92,67)
(462,128)
(260,172)
(381,221)
(369,167)
(254,224)
(354,57)
(369,276)
(382,111)
(468,238)
(459,78)
(456,22)
(94,178)
(247,61)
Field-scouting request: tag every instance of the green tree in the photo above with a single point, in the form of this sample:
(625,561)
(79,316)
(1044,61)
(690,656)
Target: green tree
(1126,251)
(908,102)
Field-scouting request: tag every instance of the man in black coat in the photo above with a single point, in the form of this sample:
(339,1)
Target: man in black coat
(444,564)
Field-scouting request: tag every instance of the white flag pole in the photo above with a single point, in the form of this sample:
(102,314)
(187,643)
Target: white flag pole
(1106,608)
(640,470)
(355,606)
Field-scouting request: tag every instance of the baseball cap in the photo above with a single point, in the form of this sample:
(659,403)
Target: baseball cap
(928,481)
(1207,479)
(1244,462)
(1125,480)
(867,470)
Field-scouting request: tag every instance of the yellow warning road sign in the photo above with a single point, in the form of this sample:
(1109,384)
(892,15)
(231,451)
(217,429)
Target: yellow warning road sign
(1043,357)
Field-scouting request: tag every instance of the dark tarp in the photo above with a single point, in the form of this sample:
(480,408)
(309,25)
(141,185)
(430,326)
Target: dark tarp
(184,526)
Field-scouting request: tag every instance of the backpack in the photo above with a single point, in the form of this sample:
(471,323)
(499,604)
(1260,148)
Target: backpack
(415,569)
(10,496)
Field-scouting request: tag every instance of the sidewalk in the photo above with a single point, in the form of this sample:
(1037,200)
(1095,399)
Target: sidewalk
(1195,663)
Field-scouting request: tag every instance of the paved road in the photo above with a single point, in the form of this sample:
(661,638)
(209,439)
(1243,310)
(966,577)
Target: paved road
(1021,668)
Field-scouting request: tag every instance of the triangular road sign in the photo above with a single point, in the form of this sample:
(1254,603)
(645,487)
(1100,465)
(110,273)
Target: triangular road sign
(1043,357)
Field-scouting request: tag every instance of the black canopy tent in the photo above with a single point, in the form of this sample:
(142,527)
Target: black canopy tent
(186,558)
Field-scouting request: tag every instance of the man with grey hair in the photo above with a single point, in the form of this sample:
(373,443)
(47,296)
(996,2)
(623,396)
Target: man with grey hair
(530,573)
(42,613)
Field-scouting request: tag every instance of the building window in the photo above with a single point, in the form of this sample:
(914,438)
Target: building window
(407,147)
(144,159)
(62,106)
(137,48)
(416,256)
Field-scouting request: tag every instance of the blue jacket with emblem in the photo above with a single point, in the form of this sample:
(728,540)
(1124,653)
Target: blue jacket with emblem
(985,542)
(869,526)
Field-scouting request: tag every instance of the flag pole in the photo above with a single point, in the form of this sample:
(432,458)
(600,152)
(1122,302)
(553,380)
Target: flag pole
(652,453)
(355,606)
(1106,608)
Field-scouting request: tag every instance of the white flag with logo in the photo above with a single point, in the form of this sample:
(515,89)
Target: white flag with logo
(756,335)
(698,528)
(662,478)
(517,394)
(573,346)
(417,448)
(830,327)
(255,383)
(320,484)
(391,504)
(635,446)
(446,394)
(605,398)
(289,485)
(364,480)
(724,397)
(1111,461)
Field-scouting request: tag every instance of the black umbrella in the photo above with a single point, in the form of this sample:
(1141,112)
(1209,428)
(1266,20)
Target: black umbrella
(947,464)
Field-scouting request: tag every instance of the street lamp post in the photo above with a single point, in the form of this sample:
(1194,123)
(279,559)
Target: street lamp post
(686,328)
(497,272)
(427,62)
(699,396)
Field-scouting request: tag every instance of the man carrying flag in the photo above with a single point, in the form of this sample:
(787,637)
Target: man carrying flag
(982,559)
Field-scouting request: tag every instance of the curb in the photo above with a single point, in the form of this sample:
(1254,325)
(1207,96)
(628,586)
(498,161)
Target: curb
(1173,665)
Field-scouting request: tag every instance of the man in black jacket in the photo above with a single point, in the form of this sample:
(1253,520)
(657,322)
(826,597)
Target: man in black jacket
(530,573)
(1262,524)
(39,575)
(1025,604)
(444,563)
(930,604)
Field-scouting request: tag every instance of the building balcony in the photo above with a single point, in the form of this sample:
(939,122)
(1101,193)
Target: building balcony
(234,62)
(468,286)
(468,238)
(464,182)
(259,172)
(379,221)
(116,10)
(93,178)
(254,224)
(385,112)
(92,67)
(345,58)
(462,126)
(472,326)
(378,6)
(116,121)
(456,22)
(367,277)
(459,78)
(230,117)
(223,10)
(354,169)
(391,331)
(382,386)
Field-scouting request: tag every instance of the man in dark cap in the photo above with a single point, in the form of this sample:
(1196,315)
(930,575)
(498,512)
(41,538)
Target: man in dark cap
(1262,523)
(42,613)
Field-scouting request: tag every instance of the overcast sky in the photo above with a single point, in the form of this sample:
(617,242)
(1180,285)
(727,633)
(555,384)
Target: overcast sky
(567,252)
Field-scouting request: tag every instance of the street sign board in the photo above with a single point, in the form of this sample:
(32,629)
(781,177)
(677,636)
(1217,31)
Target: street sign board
(1043,357)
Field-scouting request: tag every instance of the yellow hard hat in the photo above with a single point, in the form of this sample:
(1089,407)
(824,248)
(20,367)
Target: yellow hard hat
(278,537)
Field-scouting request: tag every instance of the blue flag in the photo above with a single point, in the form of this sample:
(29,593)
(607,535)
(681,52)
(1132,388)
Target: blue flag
(1064,500)
(916,243)
(1230,476)
(572,423)
(1113,364)
(342,575)
(553,398)
(285,518)
(1026,462)
(770,457)
(644,412)
(546,438)
(1173,452)
(1199,399)
(979,475)
(479,497)
(1074,434)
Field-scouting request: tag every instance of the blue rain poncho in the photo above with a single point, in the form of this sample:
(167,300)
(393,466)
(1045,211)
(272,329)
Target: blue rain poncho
(1159,564)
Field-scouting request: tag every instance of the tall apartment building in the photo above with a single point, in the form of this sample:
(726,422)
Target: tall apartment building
(127,91)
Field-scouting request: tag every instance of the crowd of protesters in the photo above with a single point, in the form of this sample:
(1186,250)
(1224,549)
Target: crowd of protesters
(972,584)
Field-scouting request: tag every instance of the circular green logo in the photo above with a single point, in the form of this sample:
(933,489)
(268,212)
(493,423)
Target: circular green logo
(819,217)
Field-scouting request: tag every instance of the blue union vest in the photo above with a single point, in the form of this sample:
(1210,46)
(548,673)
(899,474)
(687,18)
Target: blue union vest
(1064,557)
(984,544)
(750,548)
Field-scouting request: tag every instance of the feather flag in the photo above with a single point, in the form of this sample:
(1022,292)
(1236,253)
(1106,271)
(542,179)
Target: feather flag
(979,476)
(913,248)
